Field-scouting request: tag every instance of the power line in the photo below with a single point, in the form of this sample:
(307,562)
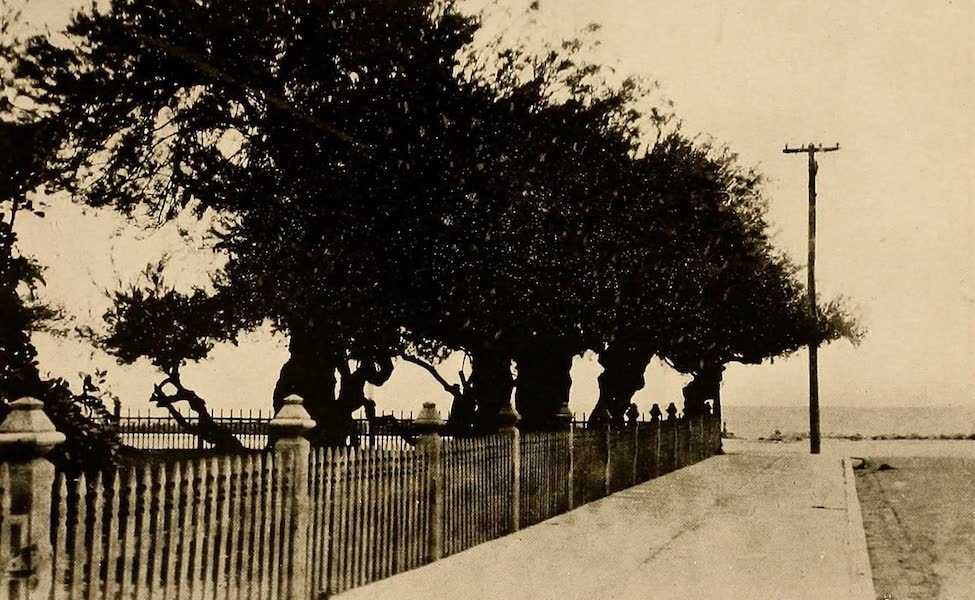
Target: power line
(812,150)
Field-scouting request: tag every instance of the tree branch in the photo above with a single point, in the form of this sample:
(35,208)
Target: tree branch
(206,427)
(205,67)
(452,389)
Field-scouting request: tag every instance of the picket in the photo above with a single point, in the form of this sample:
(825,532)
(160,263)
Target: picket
(281,535)
(208,537)
(126,555)
(355,520)
(238,568)
(272,522)
(399,520)
(95,549)
(5,542)
(167,563)
(328,519)
(339,493)
(59,560)
(111,546)
(255,522)
(314,501)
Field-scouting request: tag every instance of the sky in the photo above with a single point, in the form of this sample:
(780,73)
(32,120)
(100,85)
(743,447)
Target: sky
(891,81)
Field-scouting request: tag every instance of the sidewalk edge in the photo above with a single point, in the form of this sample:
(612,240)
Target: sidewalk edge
(861,574)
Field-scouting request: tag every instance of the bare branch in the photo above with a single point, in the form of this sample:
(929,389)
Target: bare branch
(452,389)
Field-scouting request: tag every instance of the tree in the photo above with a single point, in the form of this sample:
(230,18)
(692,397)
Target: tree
(518,269)
(317,136)
(157,322)
(718,291)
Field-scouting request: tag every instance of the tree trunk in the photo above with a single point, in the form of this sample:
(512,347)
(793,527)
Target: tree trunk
(310,373)
(543,385)
(624,364)
(206,428)
(703,387)
(491,384)
(460,420)
(352,391)
(463,411)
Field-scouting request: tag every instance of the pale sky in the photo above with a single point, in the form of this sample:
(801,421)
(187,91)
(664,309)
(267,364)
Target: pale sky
(891,81)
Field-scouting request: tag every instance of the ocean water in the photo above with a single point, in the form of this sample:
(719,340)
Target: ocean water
(762,421)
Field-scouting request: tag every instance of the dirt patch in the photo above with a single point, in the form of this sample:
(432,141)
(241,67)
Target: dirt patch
(919,518)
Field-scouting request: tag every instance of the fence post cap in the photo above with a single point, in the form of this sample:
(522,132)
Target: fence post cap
(671,411)
(428,421)
(508,416)
(563,417)
(632,413)
(655,413)
(27,432)
(291,420)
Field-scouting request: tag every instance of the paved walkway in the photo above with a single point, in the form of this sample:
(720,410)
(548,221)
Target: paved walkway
(746,525)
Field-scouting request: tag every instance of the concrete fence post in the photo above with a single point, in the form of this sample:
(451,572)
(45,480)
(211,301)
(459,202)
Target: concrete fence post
(291,452)
(633,420)
(704,437)
(655,432)
(701,431)
(508,419)
(675,433)
(563,419)
(26,481)
(686,422)
(718,434)
(717,419)
(603,420)
(428,425)
(706,434)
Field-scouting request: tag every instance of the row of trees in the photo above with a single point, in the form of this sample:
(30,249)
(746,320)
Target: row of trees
(381,189)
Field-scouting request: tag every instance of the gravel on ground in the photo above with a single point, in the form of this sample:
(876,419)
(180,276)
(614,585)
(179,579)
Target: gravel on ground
(919,518)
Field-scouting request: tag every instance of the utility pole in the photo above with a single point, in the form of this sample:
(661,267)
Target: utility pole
(811,150)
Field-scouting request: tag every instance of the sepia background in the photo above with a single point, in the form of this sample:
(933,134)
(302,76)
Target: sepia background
(891,81)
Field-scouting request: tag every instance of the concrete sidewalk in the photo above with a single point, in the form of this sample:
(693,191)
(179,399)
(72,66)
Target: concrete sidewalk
(745,525)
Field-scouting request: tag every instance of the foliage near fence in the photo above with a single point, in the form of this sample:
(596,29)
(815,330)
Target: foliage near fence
(297,522)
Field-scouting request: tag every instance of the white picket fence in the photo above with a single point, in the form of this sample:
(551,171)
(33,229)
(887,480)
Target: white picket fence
(296,522)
